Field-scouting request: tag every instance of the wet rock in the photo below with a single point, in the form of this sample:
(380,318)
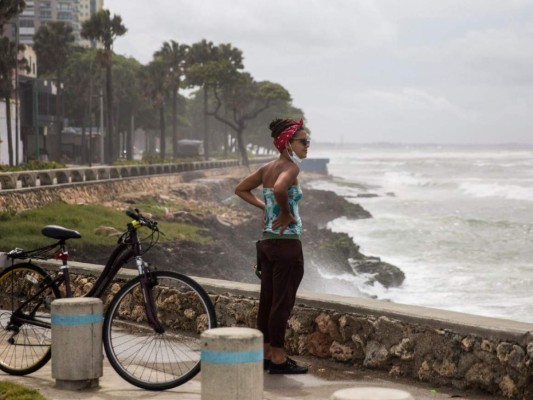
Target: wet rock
(386,274)
(389,331)
(508,387)
(342,352)
(483,376)
(318,344)
(403,350)
(376,355)
(302,320)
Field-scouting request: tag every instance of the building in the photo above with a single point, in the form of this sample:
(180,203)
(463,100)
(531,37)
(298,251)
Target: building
(39,12)
(15,111)
(86,9)
(33,115)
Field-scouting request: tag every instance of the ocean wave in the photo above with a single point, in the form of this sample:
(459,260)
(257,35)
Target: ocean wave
(344,283)
(408,179)
(510,192)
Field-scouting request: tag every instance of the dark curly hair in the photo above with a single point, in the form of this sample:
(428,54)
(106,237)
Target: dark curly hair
(279,125)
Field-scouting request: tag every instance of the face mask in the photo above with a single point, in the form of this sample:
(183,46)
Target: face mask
(294,158)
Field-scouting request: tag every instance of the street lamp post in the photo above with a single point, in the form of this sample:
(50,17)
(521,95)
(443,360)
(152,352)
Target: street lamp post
(17,22)
(36,116)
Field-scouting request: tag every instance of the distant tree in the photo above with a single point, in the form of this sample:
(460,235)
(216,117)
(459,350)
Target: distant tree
(53,44)
(257,132)
(202,54)
(8,63)
(102,28)
(10,9)
(128,98)
(206,62)
(154,90)
(83,84)
(174,56)
(245,99)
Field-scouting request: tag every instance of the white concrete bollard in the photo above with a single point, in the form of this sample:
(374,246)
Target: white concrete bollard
(370,393)
(77,358)
(232,364)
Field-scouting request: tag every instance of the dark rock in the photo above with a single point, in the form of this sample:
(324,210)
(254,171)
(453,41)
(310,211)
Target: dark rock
(229,251)
(386,274)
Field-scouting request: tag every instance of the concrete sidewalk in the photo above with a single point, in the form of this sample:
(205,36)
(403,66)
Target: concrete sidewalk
(323,380)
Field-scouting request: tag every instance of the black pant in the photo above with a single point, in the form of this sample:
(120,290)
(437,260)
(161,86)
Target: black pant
(282,270)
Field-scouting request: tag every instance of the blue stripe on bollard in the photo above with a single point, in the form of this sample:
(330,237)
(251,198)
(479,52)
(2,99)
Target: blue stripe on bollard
(82,319)
(231,357)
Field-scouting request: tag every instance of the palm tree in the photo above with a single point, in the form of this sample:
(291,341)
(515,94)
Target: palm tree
(102,28)
(174,56)
(9,9)
(53,45)
(154,90)
(202,55)
(8,63)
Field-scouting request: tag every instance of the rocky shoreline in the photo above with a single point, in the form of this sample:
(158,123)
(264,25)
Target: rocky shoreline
(233,226)
(205,199)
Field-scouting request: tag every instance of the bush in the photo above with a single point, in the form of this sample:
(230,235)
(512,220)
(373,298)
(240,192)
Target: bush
(32,165)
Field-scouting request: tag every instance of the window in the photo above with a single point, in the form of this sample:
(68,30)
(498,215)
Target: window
(64,15)
(26,23)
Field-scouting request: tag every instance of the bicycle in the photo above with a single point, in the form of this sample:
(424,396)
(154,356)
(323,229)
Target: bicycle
(151,328)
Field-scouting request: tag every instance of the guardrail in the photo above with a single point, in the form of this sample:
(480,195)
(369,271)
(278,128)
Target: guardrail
(49,177)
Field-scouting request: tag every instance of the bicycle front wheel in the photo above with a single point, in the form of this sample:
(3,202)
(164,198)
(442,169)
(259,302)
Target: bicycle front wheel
(170,357)
(25,330)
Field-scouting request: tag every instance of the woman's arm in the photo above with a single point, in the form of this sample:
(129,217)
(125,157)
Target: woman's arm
(244,189)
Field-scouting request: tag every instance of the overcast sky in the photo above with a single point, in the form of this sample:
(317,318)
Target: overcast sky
(411,71)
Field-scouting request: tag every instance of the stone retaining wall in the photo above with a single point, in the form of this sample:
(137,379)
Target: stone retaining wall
(99,191)
(440,347)
(32,179)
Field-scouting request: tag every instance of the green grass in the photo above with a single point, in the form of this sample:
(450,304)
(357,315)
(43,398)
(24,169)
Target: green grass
(12,391)
(32,165)
(23,230)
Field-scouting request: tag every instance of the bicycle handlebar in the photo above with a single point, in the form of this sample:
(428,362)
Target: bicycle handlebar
(144,221)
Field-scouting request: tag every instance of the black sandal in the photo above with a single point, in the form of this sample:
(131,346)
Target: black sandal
(288,367)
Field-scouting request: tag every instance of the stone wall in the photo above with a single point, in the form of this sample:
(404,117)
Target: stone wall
(436,346)
(99,191)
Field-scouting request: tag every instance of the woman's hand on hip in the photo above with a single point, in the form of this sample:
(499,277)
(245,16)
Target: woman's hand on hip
(283,221)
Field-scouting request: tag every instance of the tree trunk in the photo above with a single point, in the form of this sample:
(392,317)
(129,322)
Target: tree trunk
(83,155)
(118,135)
(162,144)
(175,122)
(129,137)
(58,124)
(110,156)
(7,99)
(206,126)
(242,147)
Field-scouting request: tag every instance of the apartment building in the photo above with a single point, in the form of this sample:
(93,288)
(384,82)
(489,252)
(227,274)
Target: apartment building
(39,12)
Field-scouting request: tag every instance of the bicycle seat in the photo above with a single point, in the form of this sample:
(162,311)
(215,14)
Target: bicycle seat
(60,233)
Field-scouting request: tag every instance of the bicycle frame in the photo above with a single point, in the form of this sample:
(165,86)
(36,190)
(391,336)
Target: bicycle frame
(20,318)
(129,240)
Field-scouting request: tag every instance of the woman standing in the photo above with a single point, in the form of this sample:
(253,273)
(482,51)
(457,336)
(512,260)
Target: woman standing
(280,250)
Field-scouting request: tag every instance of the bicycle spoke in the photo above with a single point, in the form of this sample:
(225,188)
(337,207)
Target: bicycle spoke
(158,360)
(24,347)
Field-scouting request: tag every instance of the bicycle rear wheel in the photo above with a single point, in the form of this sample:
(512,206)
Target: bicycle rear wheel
(25,331)
(151,360)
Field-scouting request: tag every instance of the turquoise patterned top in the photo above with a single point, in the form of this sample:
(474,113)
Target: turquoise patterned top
(272,212)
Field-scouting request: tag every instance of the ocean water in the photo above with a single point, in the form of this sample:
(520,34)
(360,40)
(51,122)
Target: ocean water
(458,220)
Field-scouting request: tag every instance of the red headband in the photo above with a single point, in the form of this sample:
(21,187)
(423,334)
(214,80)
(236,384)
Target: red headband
(283,138)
